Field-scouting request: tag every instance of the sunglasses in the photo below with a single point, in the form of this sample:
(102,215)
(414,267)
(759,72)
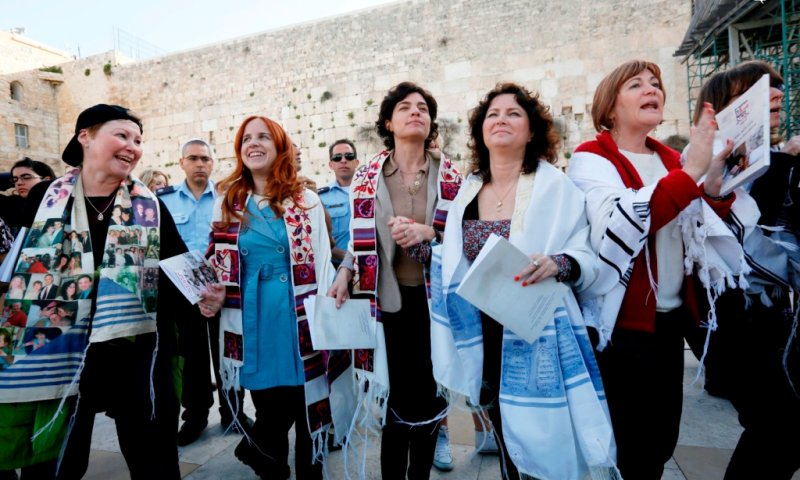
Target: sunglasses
(347,156)
(24,177)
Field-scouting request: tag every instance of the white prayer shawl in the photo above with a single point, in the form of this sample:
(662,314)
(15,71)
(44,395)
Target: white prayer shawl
(555,421)
(620,219)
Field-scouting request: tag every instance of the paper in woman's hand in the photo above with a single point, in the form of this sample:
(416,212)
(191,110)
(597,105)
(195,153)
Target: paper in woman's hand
(489,285)
(344,328)
(190,272)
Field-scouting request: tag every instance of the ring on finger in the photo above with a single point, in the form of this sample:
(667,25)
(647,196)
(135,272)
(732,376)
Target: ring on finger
(536,263)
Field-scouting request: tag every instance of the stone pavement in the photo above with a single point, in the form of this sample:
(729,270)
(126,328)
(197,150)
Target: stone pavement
(709,432)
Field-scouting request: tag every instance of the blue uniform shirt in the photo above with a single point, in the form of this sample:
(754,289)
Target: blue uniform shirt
(192,217)
(337,202)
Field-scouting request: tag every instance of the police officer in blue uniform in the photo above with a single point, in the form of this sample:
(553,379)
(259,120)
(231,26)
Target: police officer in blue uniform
(191,204)
(336,196)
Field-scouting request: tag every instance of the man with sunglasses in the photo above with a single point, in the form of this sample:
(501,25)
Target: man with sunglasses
(191,204)
(336,196)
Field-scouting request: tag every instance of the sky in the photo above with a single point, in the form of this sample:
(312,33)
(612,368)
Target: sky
(147,27)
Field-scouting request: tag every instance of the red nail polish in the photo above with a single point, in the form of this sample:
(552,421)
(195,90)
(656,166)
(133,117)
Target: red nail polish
(516,279)
(524,284)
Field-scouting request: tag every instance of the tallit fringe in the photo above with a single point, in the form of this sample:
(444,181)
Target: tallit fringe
(152,384)
(788,349)
(368,419)
(229,374)
(605,473)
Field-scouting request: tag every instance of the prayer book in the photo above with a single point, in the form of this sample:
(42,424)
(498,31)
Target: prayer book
(489,285)
(190,272)
(746,122)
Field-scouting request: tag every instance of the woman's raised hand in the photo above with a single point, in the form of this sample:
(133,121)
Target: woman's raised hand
(701,141)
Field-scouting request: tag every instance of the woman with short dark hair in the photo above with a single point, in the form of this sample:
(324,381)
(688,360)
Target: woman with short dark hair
(399,202)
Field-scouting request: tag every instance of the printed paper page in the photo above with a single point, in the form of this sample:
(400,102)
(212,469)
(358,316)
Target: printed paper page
(489,285)
(350,326)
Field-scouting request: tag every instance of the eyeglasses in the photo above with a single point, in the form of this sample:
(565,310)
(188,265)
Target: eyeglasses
(194,158)
(347,156)
(24,177)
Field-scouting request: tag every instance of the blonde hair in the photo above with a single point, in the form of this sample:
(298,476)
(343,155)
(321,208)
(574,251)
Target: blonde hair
(149,175)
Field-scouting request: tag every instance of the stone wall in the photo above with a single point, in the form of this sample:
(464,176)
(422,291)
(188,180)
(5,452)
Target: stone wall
(18,53)
(324,80)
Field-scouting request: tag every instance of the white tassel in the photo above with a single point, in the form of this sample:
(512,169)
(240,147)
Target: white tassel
(152,385)
(72,384)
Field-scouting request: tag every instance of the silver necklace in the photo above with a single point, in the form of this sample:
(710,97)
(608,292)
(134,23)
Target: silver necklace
(99,212)
(500,200)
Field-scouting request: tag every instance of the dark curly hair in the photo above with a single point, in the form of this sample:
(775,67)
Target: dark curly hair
(396,95)
(543,144)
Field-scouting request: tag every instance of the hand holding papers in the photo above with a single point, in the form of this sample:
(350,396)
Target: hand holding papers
(190,272)
(489,285)
(350,326)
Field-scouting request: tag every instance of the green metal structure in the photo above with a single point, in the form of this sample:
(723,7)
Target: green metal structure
(723,33)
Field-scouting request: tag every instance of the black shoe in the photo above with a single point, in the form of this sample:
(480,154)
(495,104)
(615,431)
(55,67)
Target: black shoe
(260,464)
(191,431)
(332,445)
(245,423)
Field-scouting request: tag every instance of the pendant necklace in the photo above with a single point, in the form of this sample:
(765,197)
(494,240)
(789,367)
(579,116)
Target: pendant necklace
(100,215)
(501,199)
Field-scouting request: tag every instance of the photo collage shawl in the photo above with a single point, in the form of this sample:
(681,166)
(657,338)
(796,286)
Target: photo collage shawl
(45,326)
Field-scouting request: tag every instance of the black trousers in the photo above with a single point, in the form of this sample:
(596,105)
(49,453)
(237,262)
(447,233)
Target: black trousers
(490,390)
(748,346)
(643,378)
(277,409)
(233,400)
(116,380)
(196,396)
(406,451)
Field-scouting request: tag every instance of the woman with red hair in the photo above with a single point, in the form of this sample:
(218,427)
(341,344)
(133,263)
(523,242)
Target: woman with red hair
(270,249)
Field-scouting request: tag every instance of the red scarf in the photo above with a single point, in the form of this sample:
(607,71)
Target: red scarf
(673,193)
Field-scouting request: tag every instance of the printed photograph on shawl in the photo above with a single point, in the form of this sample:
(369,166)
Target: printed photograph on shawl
(49,233)
(233,346)
(129,235)
(52,314)
(153,252)
(145,211)
(15,313)
(152,237)
(17,285)
(35,284)
(125,276)
(68,290)
(38,340)
(73,243)
(226,263)
(7,336)
(53,203)
(319,414)
(38,260)
(121,216)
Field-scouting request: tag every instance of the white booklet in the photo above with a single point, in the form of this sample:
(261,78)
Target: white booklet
(350,326)
(489,285)
(190,272)
(10,262)
(746,122)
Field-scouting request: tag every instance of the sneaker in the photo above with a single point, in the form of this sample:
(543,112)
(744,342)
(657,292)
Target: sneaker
(485,442)
(443,456)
